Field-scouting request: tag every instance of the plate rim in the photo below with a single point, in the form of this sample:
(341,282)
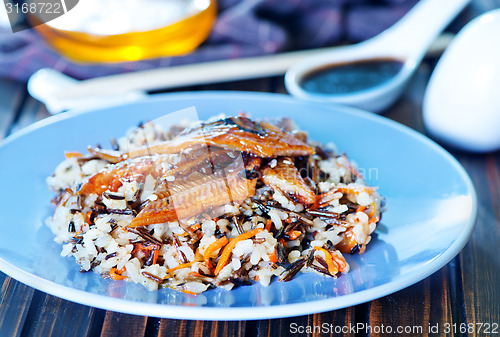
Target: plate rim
(256,312)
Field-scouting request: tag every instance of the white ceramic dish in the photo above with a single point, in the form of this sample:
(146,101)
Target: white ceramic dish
(406,41)
(461,103)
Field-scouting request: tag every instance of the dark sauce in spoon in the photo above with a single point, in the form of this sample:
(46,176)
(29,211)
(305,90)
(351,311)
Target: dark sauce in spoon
(351,77)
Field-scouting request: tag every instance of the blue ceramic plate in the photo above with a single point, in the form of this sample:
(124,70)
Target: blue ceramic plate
(431,209)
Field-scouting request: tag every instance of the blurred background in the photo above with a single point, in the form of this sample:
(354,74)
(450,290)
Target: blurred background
(81,44)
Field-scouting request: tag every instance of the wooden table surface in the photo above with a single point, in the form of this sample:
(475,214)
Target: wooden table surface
(463,295)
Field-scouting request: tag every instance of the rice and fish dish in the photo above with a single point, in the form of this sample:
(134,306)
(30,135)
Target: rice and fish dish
(216,204)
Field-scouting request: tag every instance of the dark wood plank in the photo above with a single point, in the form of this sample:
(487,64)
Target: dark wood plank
(118,324)
(480,261)
(323,324)
(15,299)
(52,316)
(170,327)
(422,309)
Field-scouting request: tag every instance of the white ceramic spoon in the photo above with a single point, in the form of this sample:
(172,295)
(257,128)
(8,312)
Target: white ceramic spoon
(407,40)
(462,101)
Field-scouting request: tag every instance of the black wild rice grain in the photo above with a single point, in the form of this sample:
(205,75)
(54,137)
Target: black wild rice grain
(114,144)
(323,214)
(78,187)
(150,259)
(321,261)
(71,226)
(122,211)
(240,282)
(144,233)
(355,249)
(280,253)
(177,244)
(292,270)
(310,258)
(110,256)
(280,233)
(113,196)
(238,225)
(151,277)
(321,270)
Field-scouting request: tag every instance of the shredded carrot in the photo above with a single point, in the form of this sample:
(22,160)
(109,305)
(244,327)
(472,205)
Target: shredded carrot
(356,190)
(348,242)
(283,242)
(155,256)
(193,228)
(360,209)
(184,265)
(88,216)
(288,220)
(294,234)
(189,292)
(332,268)
(212,248)
(72,154)
(113,273)
(373,210)
(273,257)
(226,253)
(268,225)
(139,246)
(374,220)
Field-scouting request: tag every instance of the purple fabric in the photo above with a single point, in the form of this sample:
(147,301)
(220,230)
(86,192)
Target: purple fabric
(243,28)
